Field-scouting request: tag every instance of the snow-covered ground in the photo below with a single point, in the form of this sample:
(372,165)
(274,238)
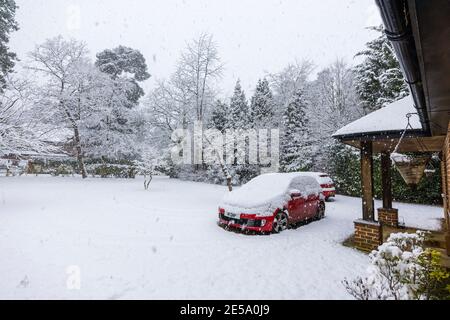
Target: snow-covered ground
(164,243)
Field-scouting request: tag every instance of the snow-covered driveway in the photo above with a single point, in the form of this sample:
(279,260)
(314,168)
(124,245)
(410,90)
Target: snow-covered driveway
(164,243)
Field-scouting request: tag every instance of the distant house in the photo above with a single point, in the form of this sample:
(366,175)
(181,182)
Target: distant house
(419,31)
(30,161)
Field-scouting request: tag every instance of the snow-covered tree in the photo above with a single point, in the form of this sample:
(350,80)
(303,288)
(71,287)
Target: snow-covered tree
(189,94)
(20,129)
(62,63)
(110,131)
(379,79)
(168,106)
(220,116)
(295,146)
(197,72)
(262,106)
(113,132)
(8,24)
(334,103)
(150,158)
(286,83)
(121,62)
(239,109)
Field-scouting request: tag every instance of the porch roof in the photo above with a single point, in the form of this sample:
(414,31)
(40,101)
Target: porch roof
(390,121)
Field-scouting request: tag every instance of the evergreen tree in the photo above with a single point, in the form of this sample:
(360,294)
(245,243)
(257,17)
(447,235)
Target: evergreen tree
(296,141)
(379,79)
(238,109)
(7,25)
(220,116)
(262,106)
(122,61)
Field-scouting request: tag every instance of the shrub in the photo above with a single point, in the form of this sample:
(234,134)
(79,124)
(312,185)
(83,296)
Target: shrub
(401,269)
(112,170)
(63,170)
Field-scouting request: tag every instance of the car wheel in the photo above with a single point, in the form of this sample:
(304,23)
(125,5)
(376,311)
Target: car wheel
(320,211)
(280,222)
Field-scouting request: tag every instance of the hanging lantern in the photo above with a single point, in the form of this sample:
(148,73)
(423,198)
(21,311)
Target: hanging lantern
(410,168)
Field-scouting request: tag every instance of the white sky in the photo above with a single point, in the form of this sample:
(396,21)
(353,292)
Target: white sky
(254,36)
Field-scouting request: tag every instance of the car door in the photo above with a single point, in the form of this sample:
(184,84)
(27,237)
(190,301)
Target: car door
(296,207)
(312,205)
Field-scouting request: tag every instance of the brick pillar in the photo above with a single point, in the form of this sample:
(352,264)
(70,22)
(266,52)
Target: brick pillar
(368,235)
(388,217)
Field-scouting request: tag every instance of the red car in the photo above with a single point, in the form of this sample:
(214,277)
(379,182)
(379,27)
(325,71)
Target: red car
(271,202)
(327,185)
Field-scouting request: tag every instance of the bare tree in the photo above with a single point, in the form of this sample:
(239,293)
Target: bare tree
(289,80)
(198,69)
(334,103)
(336,98)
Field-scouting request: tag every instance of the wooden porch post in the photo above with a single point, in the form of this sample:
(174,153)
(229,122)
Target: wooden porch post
(445,166)
(386,180)
(367,181)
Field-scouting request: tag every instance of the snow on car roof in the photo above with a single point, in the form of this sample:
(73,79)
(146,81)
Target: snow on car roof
(389,118)
(264,194)
(312,174)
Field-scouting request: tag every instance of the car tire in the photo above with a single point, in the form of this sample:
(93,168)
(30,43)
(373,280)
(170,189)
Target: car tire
(280,222)
(320,211)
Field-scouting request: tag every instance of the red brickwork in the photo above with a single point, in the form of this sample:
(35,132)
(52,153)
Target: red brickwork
(388,217)
(368,235)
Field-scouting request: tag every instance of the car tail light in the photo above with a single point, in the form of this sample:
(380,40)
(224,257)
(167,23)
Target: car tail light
(327,185)
(221,210)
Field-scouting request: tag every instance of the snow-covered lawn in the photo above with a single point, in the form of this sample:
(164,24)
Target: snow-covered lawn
(164,243)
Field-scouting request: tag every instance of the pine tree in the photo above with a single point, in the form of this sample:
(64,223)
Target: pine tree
(238,109)
(262,106)
(379,79)
(7,25)
(220,116)
(295,145)
(126,63)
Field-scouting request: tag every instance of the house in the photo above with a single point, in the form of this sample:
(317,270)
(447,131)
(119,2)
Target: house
(419,31)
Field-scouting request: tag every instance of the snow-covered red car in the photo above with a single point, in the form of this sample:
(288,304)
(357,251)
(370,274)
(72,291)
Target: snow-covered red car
(271,202)
(326,183)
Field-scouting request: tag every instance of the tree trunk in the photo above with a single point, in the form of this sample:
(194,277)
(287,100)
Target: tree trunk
(79,153)
(230,187)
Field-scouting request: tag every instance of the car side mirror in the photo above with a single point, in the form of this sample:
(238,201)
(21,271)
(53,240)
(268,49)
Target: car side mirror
(295,193)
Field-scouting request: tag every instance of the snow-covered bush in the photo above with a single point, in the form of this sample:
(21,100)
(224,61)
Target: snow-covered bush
(149,164)
(107,170)
(402,269)
(63,170)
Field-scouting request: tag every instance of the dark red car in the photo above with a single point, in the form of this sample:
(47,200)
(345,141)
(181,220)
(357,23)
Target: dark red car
(271,202)
(326,183)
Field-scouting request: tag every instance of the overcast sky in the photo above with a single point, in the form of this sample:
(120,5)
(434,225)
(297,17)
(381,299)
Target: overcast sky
(255,37)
